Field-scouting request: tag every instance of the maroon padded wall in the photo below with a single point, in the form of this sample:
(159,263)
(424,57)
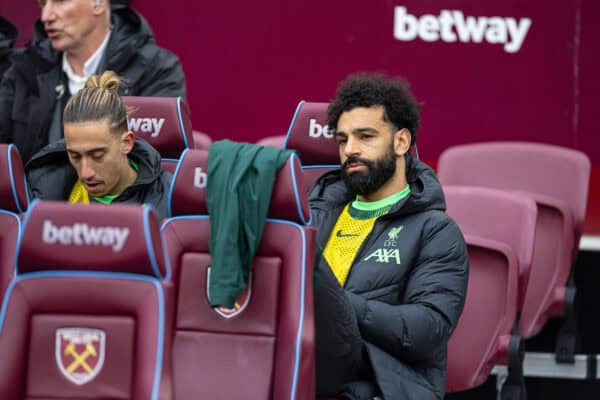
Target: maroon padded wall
(249,63)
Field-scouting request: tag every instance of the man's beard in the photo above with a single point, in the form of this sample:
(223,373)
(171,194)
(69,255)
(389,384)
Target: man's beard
(377,174)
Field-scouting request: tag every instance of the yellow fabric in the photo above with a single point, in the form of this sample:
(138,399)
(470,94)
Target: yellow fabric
(79,194)
(344,241)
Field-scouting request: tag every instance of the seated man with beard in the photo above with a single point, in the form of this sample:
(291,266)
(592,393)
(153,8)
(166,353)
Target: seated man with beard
(391,282)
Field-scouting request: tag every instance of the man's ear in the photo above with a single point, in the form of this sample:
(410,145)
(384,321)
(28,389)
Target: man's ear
(402,139)
(127,141)
(99,7)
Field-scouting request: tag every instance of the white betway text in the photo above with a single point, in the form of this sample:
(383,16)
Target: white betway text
(80,234)
(151,126)
(451,25)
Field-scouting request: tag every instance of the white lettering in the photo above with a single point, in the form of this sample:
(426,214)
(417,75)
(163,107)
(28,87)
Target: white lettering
(429,28)
(446,22)
(494,30)
(384,255)
(518,33)
(157,123)
(406,26)
(497,32)
(470,30)
(147,125)
(316,130)
(377,253)
(150,126)
(133,124)
(80,234)
(199,178)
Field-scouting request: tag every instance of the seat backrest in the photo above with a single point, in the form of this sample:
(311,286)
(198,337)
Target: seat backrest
(88,314)
(265,344)
(164,122)
(13,200)
(202,140)
(13,186)
(499,228)
(557,179)
(275,141)
(313,140)
(9,236)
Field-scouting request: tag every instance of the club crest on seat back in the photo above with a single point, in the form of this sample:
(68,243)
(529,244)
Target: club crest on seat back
(80,353)
(240,303)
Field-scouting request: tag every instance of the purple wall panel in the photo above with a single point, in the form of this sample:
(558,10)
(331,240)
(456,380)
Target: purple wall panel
(249,63)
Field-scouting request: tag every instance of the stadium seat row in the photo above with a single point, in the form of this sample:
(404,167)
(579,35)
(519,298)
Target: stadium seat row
(103,302)
(115,306)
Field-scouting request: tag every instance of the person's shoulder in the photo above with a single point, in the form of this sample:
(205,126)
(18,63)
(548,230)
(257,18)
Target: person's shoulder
(438,224)
(166,176)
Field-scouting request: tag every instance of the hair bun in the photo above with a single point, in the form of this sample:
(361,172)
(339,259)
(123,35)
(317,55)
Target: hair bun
(108,80)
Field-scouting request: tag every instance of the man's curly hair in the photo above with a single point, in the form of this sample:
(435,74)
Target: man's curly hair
(368,90)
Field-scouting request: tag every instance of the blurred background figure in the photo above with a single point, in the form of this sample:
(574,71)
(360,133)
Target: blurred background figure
(8,35)
(73,40)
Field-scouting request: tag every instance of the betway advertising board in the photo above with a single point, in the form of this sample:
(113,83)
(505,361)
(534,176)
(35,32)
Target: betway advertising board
(485,70)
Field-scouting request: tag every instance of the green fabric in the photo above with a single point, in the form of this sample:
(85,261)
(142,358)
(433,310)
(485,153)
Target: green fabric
(239,185)
(373,209)
(110,197)
(105,199)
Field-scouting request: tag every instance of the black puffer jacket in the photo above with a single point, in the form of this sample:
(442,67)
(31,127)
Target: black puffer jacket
(8,35)
(407,284)
(51,176)
(29,91)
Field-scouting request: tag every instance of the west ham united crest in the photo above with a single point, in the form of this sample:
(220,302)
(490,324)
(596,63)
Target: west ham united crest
(240,304)
(80,353)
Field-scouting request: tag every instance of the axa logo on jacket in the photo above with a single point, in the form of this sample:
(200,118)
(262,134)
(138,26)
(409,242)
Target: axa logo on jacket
(452,25)
(151,126)
(385,256)
(389,252)
(81,234)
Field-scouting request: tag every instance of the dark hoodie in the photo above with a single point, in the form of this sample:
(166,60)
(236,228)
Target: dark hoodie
(51,176)
(406,306)
(8,35)
(31,88)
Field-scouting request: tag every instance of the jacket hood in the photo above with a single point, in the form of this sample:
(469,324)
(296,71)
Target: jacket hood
(130,32)
(425,189)
(8,34)
(148,159)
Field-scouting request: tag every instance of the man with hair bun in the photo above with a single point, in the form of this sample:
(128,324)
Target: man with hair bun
(75,39)
(392,279)
(99,160)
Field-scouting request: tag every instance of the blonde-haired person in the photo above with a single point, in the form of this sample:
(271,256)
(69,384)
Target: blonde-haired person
(99,160)
(75,39)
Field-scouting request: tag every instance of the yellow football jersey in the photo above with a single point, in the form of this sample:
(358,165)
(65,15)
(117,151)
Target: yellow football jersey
(351,229)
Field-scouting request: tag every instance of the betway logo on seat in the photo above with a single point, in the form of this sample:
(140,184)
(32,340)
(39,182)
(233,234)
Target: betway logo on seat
(80,234)
(146,125)
(316,130)
(452,25)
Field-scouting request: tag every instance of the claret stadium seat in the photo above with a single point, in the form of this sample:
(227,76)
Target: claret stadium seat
(313,140)
(14,200)
(89,312)
(557,179)
(202,141)
(164,122)
(275,141)
(499,229)
(263,348)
